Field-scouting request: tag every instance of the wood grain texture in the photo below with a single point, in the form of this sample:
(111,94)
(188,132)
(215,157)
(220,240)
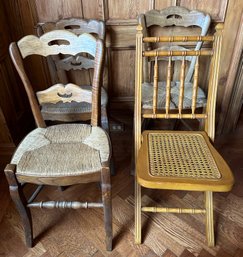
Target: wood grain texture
(217,8)
(57,9)
(126,9)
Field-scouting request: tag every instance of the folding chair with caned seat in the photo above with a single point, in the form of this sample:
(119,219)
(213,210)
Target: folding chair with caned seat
(179,160)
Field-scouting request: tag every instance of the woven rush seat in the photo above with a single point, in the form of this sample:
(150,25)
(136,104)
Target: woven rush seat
(62,150)
(174,158)
(147,95)
(72,107)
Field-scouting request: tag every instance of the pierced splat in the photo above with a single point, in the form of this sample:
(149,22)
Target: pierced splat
(64,93)
(75,63)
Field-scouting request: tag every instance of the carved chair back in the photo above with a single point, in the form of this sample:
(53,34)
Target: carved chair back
(171,17)
(63,68)
(55,43)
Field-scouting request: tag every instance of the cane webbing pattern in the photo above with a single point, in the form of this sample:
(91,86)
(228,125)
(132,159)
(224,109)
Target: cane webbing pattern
(181,155)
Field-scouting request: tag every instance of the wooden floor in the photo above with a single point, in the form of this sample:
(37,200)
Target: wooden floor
(81,233)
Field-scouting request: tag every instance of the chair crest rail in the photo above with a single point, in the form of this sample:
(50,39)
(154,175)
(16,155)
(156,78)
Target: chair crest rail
(155,53)
(178,39)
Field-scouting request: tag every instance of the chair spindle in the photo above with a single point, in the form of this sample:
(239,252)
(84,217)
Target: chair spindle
(155,93)
(195,86)
(182,85)
(168,85)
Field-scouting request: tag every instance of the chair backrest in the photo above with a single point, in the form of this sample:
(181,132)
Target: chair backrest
(66,43)
(175,16)
(209,113)
(59,66)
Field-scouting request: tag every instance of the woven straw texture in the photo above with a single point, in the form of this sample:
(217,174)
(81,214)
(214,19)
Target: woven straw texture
(73,107)
(181,155)
(147,95)
(62,150)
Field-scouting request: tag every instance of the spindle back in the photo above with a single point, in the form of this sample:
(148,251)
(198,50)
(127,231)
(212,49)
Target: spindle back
(170,17)
(209,113)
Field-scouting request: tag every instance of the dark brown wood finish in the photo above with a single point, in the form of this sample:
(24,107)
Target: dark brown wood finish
(84,43)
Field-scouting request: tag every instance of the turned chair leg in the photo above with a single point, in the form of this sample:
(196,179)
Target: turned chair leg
(137,213)
(20,202)
(106,198)
(209,218)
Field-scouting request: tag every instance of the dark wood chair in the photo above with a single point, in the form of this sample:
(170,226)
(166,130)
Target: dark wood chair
(179,160)
(64,154)
(77,69)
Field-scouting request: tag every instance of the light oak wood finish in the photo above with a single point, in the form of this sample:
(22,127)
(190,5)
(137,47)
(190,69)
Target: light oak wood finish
(164,158)
(17,177)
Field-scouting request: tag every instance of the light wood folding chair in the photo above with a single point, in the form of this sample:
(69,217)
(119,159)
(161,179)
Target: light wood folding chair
(63,154)
(179,160)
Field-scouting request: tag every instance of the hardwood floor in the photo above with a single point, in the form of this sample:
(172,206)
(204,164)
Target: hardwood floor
(81,232)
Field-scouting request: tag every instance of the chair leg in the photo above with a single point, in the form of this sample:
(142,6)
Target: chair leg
(209,218)
(20,202)
(106,198)
(137,213)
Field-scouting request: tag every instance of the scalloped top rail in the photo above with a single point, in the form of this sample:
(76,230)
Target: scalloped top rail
(57,42)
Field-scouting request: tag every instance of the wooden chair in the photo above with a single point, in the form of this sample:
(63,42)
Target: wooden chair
(178,160)
(74,68)
(64,154)
(171,18)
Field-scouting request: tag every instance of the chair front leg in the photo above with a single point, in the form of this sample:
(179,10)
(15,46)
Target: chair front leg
(106,198)
(20,202)
(209,218)
(137,213)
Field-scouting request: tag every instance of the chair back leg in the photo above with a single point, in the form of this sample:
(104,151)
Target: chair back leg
(209,218)
(106,198)
(137,213)
(20,201)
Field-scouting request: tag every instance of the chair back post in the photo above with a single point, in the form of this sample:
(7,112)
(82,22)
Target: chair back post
(213,83)
(138,89)
(18,63)
(96,85)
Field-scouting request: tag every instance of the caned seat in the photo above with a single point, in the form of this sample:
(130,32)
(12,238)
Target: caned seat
(178,160)
(172,17)
(65,154)
(175,157)
(76,69)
